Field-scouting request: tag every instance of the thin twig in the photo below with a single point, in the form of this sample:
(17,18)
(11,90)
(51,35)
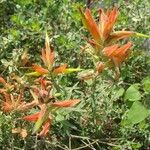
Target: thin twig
(62,147)
(70,143)
(95,140)
(85,145)
(90,146)
(79,137)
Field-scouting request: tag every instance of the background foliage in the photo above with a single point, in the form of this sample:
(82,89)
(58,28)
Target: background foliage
(122,109)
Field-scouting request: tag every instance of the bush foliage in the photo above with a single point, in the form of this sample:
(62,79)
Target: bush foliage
(69,80)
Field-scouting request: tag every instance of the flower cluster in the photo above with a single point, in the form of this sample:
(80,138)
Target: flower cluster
(102,46)
(42,97)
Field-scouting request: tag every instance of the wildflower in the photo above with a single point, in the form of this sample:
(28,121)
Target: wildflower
(102,32)
(48,58)
(43,117)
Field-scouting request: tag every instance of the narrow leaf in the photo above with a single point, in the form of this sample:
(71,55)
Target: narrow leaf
(71,70)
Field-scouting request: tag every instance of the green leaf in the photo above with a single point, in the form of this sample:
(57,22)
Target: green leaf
(132,93)
(146,84)
(71,70)
(136,34)
(118,93)
(136,114)
(34,74)
(24,2)
(59,118)
(44,114)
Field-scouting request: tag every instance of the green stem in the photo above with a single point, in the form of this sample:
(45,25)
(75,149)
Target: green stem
(55,84)
(93,102)
(141,35)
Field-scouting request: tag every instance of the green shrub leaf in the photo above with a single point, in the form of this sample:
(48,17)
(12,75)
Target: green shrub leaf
(132,94)
(137,113)
(146,84)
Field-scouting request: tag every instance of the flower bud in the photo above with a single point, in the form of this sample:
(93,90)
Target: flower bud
(100,67)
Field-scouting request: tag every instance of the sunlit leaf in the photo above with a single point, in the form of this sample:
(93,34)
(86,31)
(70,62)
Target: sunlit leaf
(71,70)
(132,94)
(136,114)
(33,74)
(43,115)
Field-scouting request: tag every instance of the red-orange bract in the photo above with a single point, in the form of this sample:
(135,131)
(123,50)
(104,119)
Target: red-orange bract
(32,117)
(48,58)
(66,103)
(39,69)
(47,54)
(45,126)
(60,69)
(116,53)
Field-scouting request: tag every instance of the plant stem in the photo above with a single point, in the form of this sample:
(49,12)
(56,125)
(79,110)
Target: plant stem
(55,84)
(93,102)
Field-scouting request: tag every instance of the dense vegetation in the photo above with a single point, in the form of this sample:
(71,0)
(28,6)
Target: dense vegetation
(65,84)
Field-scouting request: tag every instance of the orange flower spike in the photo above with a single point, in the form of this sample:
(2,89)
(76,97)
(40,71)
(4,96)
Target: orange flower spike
(39,69)
(113,17)
(7,97)
(66,103)
(111,21)
(90,24)
(107,22)
(33,117)
(50,61)
(48,54)
(102,21)
(52,56)
(61,69)
(45,127)
(93,27)
(121,54)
